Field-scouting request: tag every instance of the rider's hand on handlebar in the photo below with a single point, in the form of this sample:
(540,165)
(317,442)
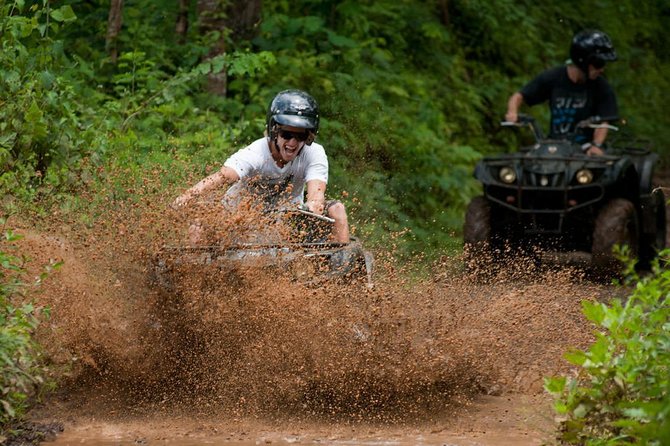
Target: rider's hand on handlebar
(594,151)
(315,206)
(511,116)
(591,149)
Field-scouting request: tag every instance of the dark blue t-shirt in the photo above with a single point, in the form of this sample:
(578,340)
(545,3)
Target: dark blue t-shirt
(570,102)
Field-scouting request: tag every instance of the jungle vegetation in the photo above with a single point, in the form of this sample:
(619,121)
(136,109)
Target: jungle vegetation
(411,93)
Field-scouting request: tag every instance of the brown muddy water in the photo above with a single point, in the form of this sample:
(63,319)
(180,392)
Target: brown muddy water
(248,355)
(489,420)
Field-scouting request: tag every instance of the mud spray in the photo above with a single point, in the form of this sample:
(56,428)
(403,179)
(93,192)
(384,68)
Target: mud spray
(242,341)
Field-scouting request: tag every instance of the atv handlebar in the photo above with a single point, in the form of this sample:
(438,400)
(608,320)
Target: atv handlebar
(304,210)
(594,122)
(598,122)
(526,121)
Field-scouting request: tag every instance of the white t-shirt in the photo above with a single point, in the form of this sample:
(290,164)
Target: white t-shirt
(260,174)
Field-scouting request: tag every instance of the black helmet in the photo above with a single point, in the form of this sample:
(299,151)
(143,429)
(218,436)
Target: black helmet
(293,108)
(591,47)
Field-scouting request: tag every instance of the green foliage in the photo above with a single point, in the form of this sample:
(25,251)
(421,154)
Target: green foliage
(622,394)
(21,372)
(398,110)
(39,127)
(411,92)
(63,116)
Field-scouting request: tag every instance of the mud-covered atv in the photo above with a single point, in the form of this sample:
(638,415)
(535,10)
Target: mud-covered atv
(293,240)
(554,197)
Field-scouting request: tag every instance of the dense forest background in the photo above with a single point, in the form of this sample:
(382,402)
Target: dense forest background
(411,93)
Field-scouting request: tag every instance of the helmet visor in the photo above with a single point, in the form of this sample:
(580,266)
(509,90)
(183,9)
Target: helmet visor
(303,122)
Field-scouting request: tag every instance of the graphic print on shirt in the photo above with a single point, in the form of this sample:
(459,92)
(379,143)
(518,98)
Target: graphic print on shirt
(565,109)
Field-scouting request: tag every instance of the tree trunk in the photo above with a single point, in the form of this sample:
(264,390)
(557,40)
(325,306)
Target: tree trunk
(234,18)
(444,9)
(181,27)
(114,23)
(243,17)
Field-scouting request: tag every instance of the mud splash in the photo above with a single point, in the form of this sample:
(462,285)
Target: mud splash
(255,343)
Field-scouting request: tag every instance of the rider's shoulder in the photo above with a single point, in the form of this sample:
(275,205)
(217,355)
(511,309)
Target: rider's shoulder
(557,72)
(314,151)
(315,146)
(550,75)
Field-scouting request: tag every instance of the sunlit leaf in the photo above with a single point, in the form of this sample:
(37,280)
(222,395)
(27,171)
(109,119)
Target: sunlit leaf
(63,14)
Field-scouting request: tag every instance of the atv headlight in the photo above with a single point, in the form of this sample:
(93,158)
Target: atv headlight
(507,175)
(584,176)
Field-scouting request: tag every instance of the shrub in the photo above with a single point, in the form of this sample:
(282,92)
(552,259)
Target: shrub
(41,136)
(22,375)
(621,394)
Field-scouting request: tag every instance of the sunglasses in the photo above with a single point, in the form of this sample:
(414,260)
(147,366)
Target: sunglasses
(288,135)
(598,63)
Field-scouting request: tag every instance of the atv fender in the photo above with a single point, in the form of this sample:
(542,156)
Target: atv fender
(644,165)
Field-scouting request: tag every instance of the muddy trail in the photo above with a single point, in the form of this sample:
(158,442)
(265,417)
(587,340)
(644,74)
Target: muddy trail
(247,355)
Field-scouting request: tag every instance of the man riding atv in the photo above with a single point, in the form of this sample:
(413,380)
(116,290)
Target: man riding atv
(278,227)
(276,168)
(575,92)
(550,196)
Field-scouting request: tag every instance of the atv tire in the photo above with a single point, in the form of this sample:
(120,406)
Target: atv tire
(477,228)
(477,240)
(616,224)
(654,241)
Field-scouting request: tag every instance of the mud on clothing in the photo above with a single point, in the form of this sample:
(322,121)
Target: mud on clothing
(261,176)
(570,102)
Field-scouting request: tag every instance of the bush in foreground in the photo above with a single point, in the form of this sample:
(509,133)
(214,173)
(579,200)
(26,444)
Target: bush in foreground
(21,371)
(621,394)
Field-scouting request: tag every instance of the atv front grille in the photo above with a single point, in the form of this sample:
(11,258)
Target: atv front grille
(543,180)
(534,198)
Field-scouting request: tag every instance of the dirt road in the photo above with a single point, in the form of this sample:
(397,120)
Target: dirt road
(501,421)
(252,357)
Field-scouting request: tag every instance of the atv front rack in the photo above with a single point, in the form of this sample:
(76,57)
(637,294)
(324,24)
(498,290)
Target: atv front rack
(332,258)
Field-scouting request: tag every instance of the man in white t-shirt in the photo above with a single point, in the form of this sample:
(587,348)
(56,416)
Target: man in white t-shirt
(280,166)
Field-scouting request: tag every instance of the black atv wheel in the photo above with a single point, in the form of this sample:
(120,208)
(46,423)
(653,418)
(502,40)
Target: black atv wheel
(654,240)
(616,224)
(477,228)
(477,240)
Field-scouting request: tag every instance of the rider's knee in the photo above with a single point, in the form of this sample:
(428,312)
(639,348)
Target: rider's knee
(336,210)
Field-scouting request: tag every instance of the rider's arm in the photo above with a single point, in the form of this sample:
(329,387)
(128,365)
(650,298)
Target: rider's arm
(224,176)
(599,135)
(596,147)
(513,104)
(316,196)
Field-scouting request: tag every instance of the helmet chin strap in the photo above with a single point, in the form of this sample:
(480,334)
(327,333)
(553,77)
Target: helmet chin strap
(272,139)
(274,145)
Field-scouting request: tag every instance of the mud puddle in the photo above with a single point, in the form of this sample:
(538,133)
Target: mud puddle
(488,420)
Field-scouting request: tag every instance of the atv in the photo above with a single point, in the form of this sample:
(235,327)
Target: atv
(552,197)
(293,239)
